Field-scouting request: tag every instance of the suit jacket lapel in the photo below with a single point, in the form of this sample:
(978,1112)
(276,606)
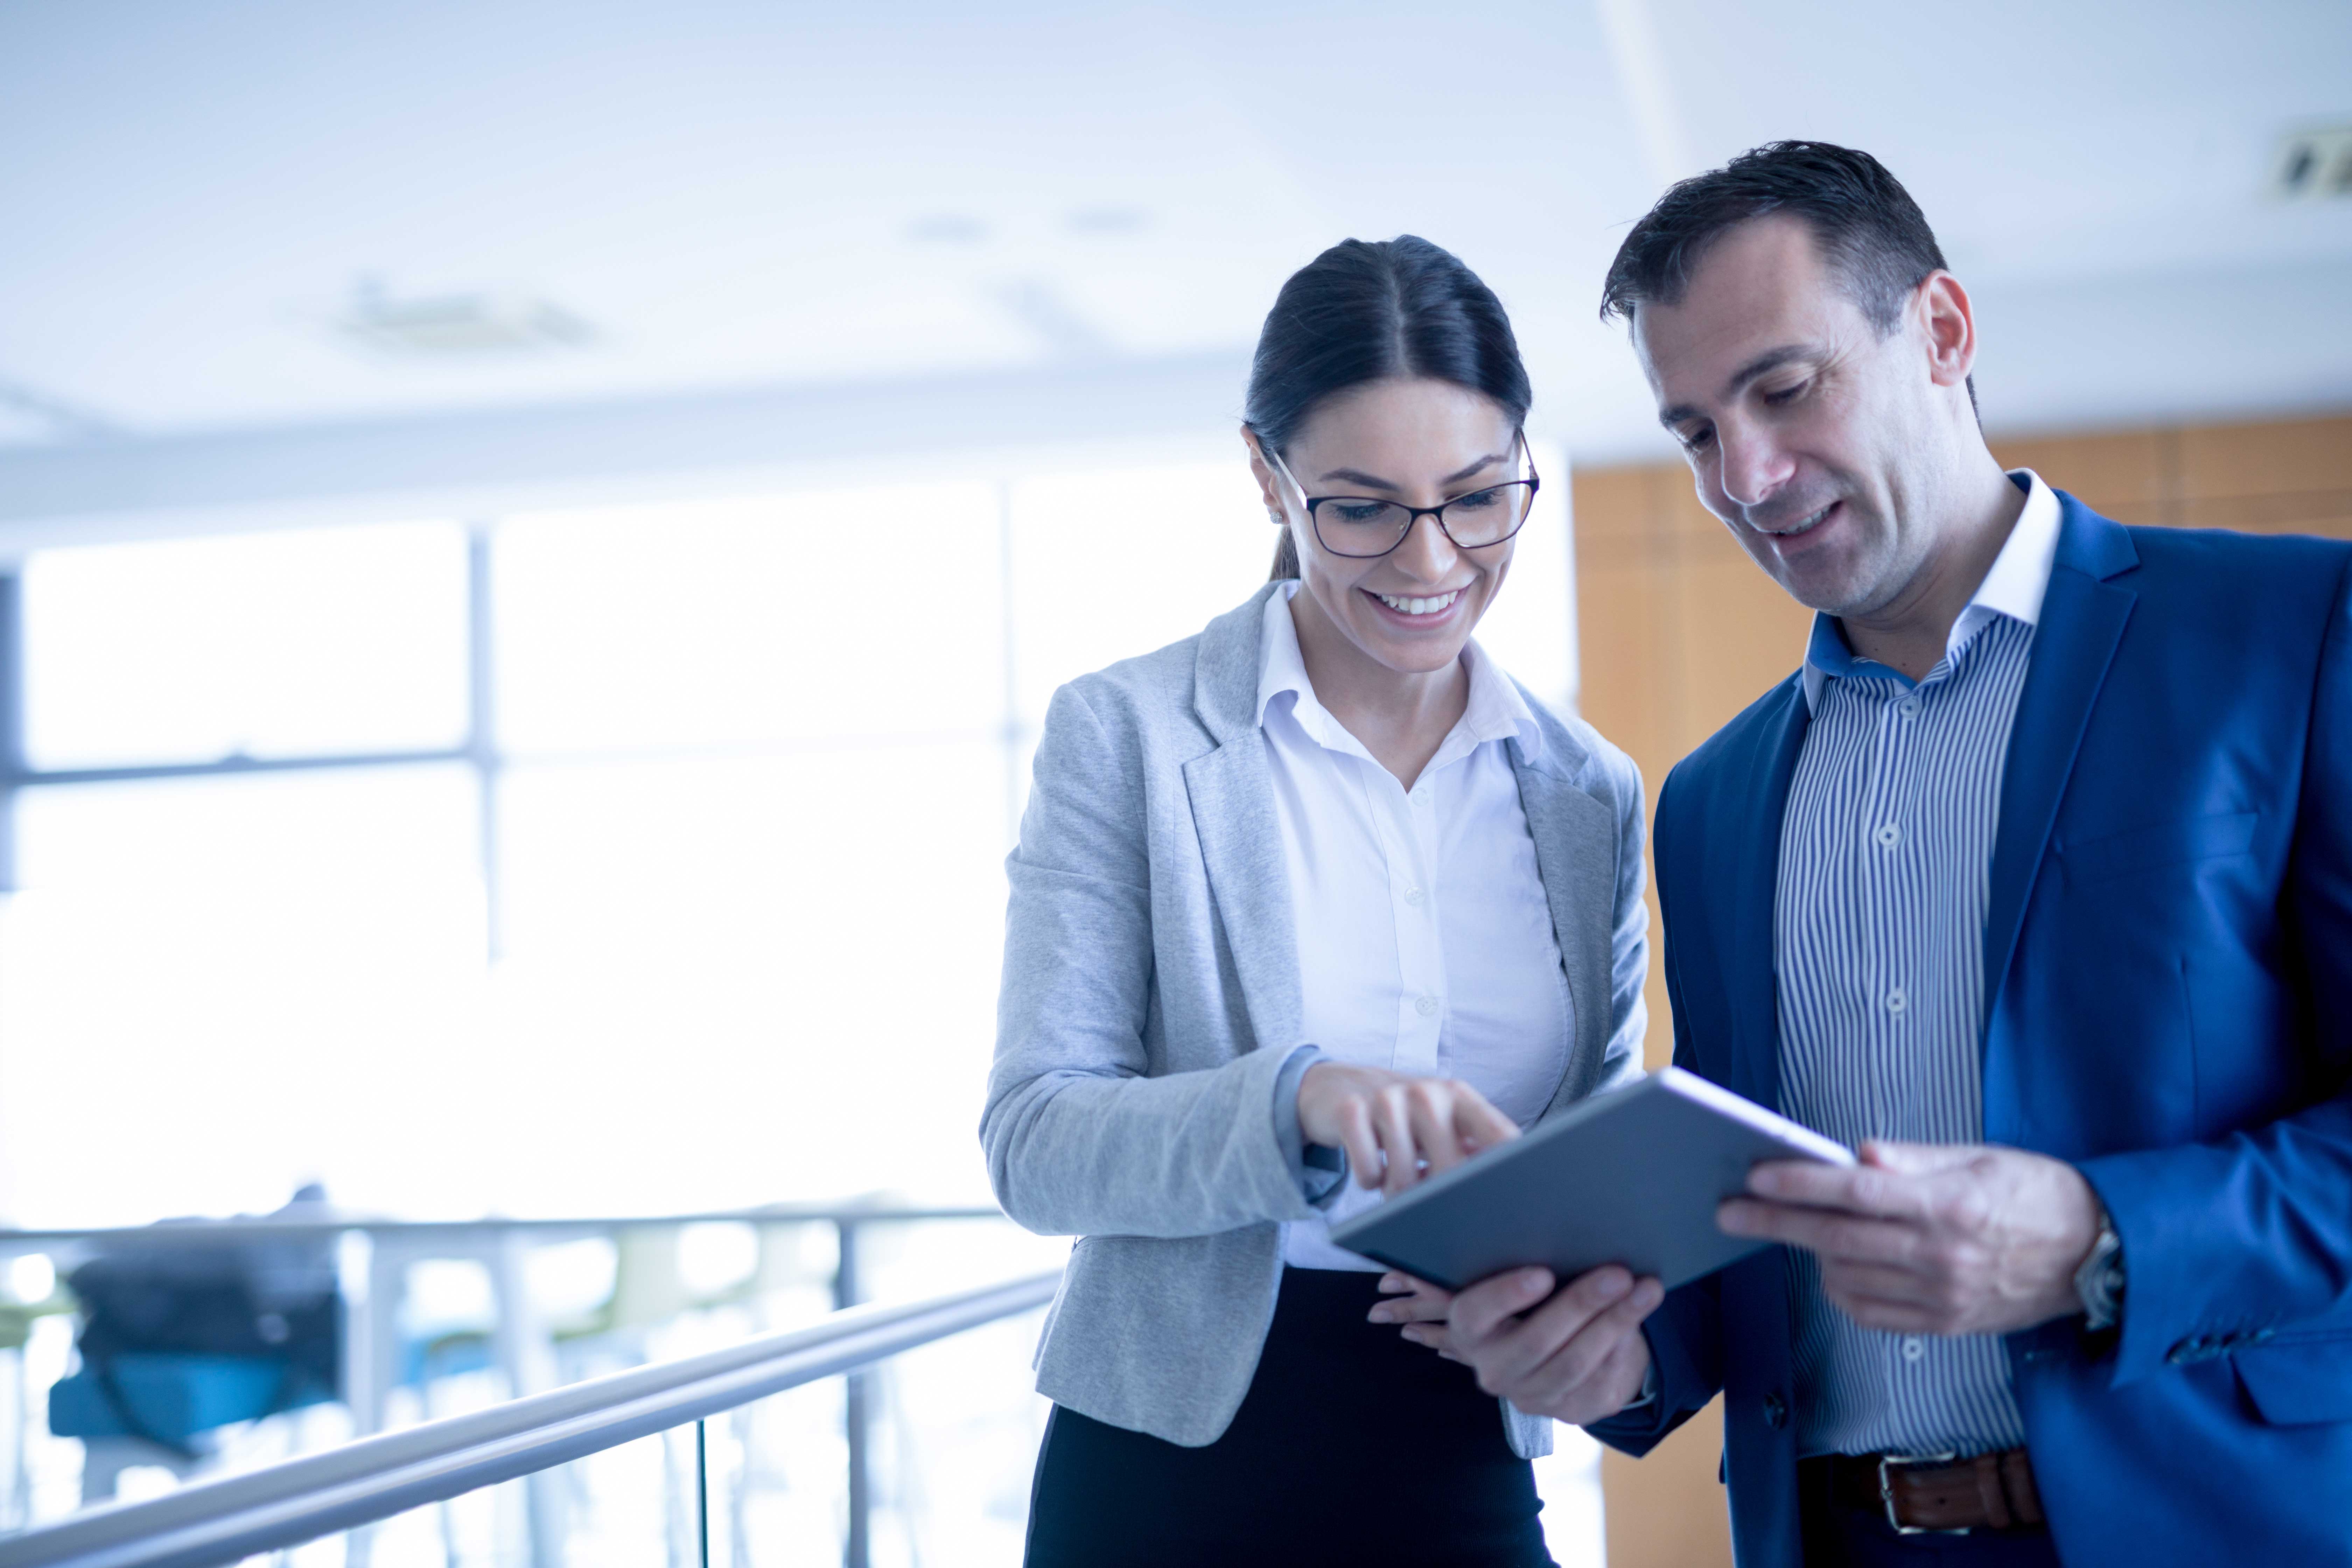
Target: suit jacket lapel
(1231,791)
(2083,618)
(1755,998)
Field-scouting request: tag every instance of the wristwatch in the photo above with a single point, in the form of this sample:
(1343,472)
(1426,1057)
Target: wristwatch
(2099,1282)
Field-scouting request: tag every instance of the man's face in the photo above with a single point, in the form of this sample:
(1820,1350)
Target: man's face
(1807,431)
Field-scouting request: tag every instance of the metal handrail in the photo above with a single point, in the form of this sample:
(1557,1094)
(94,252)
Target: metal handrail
(372,1479)
(210,1232)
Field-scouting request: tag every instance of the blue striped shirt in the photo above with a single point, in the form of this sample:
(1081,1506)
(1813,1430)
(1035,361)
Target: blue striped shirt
(1878,948)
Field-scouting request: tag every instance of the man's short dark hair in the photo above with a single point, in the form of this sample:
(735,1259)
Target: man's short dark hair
(1868,228)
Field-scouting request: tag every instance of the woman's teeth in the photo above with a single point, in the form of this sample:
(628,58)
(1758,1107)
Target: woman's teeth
(1419,606)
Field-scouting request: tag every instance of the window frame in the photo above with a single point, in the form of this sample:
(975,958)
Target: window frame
(478,749)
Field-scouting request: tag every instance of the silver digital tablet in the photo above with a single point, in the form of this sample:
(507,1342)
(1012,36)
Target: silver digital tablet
(1632,1176)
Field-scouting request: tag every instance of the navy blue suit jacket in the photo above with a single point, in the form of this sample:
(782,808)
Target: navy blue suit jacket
(2168,954)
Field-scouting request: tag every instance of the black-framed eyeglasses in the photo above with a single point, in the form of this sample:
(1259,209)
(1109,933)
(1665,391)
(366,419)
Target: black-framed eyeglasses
(1364,527)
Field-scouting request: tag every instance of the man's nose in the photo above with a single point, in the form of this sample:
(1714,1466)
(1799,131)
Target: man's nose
(1754,466)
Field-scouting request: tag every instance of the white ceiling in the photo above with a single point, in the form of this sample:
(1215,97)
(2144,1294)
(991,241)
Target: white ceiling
(754,201)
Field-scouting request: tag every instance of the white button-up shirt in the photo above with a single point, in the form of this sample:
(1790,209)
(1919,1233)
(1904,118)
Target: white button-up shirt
(1425,943)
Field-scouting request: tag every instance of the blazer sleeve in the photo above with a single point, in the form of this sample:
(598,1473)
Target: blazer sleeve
(1684,1334)
(1079,1139)
(2225,1240)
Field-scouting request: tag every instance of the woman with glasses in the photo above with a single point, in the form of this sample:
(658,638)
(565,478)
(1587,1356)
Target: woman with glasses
(1307,908)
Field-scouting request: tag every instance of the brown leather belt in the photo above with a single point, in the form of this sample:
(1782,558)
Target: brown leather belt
(1939,1492)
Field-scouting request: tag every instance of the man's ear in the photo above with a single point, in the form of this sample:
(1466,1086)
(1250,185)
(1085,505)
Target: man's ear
(1947,322)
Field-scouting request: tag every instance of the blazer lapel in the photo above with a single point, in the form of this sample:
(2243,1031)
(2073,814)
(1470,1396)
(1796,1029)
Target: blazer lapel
(1564,820)
(1231,791)
(2083,618)
(1755,998)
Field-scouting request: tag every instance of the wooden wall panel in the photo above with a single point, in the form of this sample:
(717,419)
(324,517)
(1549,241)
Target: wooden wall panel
(2131,475)
(1680,630)
(2289,457)
(1666,1510)
(1747,641)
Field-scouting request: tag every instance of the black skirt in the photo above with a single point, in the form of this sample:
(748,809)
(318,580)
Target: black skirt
(1352,1445)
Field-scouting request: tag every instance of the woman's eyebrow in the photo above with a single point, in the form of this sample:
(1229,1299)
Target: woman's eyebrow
(1357,477)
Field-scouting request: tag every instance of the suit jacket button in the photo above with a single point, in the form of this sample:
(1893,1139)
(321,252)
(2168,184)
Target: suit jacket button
(1776,1410)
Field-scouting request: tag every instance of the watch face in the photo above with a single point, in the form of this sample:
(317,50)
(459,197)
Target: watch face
(2099,1283)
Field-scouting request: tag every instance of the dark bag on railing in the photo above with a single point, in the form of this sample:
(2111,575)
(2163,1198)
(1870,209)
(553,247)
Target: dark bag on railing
(272,1302)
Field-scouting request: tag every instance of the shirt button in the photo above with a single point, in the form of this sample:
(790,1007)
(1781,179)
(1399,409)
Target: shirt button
(1424,1006)
(1914,1348)
(1412,897)
(1896,1001)
(1889,837)
(1908,708)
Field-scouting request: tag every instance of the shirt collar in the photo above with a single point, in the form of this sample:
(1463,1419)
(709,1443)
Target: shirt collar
(1495,711)
(2015,585)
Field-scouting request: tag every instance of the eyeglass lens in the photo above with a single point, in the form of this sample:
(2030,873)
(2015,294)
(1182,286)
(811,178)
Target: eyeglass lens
(1349,525)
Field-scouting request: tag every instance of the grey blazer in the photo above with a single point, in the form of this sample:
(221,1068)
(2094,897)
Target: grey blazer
(1152,998)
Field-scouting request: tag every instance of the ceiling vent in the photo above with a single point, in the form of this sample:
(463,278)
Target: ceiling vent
(2314,165)
(461,326)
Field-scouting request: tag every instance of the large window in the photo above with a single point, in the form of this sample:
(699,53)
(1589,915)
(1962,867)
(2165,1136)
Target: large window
(631,859)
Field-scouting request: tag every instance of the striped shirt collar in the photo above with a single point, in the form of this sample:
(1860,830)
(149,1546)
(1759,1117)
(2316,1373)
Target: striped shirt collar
(2015,586)
(1495,711)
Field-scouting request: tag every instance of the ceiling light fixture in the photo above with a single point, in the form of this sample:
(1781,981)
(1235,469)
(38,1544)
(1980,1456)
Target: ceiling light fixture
(2314,165)
(1105,220)
(491,321)
(947,229)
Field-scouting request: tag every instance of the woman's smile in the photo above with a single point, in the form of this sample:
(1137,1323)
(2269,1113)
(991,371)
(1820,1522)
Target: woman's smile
(1419,611)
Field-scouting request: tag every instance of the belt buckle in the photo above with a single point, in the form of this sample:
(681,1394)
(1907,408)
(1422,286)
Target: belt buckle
(1887,1464)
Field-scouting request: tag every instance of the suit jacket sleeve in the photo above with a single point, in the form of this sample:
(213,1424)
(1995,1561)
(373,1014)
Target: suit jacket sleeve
(1078,1138)
(2225,1239)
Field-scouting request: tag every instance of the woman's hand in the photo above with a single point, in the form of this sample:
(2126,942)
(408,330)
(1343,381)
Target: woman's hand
(1419,1306)
(1396,1129)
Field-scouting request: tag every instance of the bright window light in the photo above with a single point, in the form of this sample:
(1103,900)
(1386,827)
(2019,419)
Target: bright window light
(754,979)
(870,612)
(262,978)
(1531,629)
(266,645)
(1110,564)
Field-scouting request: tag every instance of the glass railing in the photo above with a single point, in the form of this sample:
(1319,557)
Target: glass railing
(900,1436)
(661,1463)
(443,1318)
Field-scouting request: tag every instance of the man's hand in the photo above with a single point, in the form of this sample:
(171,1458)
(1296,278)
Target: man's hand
(1925,1238)
(1576,1353)
(1396,1128)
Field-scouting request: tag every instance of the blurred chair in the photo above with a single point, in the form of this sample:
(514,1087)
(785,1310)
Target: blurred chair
(179,1403)
(16,1320)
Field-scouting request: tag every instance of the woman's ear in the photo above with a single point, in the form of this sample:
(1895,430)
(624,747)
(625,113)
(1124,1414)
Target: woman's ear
(1269,485)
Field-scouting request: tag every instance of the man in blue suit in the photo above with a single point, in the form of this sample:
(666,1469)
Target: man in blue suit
(2034,884)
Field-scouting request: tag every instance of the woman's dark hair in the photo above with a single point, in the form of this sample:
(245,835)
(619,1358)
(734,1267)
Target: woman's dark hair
(1365,311)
